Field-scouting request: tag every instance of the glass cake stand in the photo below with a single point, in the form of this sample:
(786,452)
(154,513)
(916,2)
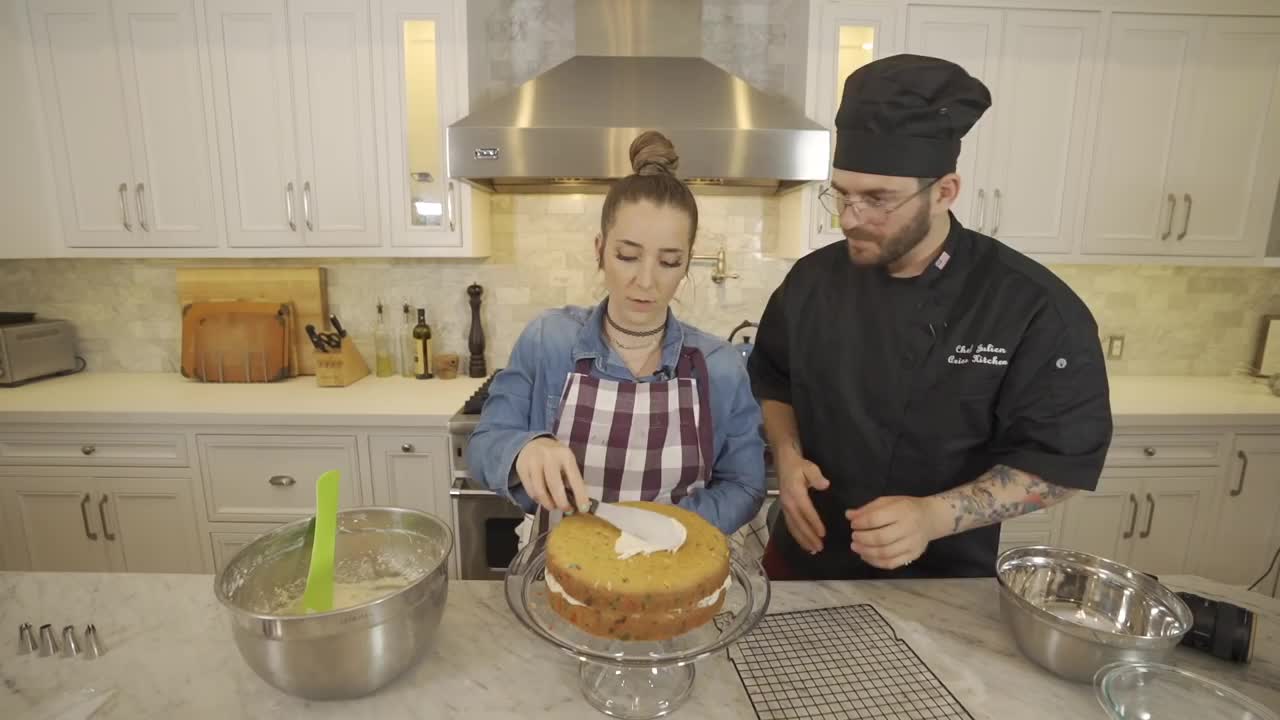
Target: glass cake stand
(630,679)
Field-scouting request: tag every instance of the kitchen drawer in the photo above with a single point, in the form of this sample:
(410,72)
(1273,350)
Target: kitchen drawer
(228,539)
(1167,450)
(93,449)
(255,478)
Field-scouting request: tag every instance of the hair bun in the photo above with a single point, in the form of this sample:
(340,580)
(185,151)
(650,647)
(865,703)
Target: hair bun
(652,154)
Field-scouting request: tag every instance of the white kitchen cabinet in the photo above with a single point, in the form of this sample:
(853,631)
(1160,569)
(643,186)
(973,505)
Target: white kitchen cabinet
(1186,157)
(1021,166)
(1229,170)
(1103,522)
(253,108)
(98,524)
(1247,528)
(1034,189)
(293,102)
(846,35)
(1173,526)
(1153,520)
(229,538)
(51,523)
(422,90)
(412,471)
(256,478)
(969,37)
(150,525)
(333,81)
(1036,528)
(124,102)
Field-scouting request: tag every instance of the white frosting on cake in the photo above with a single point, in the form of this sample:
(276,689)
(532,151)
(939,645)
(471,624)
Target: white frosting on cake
(554,587)
(628,545)
(705,602)
(711,599)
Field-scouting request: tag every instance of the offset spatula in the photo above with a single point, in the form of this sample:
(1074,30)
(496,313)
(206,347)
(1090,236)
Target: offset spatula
(651,527)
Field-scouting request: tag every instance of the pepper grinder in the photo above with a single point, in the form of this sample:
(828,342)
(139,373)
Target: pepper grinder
(475,342)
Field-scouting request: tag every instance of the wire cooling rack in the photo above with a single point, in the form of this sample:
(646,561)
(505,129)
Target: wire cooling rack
(840,663)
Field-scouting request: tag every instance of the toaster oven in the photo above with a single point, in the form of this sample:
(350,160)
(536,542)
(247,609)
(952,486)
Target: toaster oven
(36,349)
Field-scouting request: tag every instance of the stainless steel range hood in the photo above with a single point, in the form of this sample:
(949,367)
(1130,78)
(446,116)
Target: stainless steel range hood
(637,68)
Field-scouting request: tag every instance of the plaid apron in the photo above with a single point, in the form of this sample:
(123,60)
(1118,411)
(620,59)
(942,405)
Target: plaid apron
(638,441)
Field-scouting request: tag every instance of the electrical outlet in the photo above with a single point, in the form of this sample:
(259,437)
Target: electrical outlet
(1115,347)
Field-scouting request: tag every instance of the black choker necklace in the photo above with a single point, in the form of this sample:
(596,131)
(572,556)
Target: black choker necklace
(633,333)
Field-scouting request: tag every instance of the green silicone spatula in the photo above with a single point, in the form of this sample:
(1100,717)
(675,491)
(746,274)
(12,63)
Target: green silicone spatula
(318,596)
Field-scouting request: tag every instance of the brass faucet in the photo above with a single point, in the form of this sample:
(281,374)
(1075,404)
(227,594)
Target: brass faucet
(718,271)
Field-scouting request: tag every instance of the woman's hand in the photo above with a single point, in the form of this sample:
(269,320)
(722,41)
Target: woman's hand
(545,467)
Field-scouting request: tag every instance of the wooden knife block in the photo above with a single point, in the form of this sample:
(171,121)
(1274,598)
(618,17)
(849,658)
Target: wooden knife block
(340,367)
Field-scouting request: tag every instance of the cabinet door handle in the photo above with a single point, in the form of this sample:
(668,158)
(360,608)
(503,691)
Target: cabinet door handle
(306,204)
(124,206)
(407,447)
(142,208)
(1149,451)
(282,481)
(1133,517)
(88,449)
(982,208)
(995,226)
(288,206)
(449,206)
(1244,468)
(84,515)
(1186,220)
(1151,515)
(1168,229)
(102,513)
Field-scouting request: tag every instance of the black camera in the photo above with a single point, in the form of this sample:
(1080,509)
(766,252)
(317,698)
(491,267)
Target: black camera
(1219,628)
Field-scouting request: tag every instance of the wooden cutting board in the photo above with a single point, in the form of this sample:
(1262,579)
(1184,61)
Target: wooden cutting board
(242,347)
(305,287)
(236,341)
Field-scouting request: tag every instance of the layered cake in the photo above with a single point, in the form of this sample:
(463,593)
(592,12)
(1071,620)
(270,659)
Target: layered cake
(611,584)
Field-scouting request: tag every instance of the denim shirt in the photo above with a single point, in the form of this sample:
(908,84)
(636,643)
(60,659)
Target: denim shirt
(524,400)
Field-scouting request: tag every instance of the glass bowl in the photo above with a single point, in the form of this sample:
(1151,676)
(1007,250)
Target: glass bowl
(1152,691)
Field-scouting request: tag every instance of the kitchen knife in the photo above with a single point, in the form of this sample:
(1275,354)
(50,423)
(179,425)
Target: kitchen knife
(315,339)
(333,320)
(653,528)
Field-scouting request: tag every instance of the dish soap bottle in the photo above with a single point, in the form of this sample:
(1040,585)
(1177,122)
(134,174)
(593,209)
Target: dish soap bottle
(406,342)
(382,347)
(422,347)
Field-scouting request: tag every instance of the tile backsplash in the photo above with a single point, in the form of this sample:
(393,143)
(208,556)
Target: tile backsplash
(1176,320)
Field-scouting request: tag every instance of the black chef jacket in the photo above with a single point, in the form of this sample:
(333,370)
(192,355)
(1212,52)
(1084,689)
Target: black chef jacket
(913,386)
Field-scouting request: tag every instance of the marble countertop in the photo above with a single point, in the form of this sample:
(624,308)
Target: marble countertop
(156,398)
(162,398)
(169,654)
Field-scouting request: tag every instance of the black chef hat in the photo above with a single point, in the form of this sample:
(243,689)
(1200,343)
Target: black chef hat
(904,116)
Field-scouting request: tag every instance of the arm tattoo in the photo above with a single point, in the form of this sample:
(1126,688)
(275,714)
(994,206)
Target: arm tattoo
(1000,494)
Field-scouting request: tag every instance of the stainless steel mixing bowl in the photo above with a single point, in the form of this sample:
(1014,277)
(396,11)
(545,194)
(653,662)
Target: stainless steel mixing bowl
(347,652)
(1072,612)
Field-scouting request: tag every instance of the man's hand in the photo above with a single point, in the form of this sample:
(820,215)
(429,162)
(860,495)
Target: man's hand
(795,477)
(890,532)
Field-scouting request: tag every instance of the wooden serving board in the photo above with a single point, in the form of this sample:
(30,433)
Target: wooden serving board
(305,287)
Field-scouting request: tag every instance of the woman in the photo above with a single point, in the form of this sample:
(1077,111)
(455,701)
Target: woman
(622,401)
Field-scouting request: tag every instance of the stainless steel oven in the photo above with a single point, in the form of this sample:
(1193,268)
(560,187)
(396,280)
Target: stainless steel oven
(485,525)
(484,522)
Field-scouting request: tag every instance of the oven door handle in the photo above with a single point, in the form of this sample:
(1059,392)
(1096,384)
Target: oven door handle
(459,489)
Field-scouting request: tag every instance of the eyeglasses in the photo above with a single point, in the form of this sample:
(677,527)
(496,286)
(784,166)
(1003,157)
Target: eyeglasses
(868,210)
